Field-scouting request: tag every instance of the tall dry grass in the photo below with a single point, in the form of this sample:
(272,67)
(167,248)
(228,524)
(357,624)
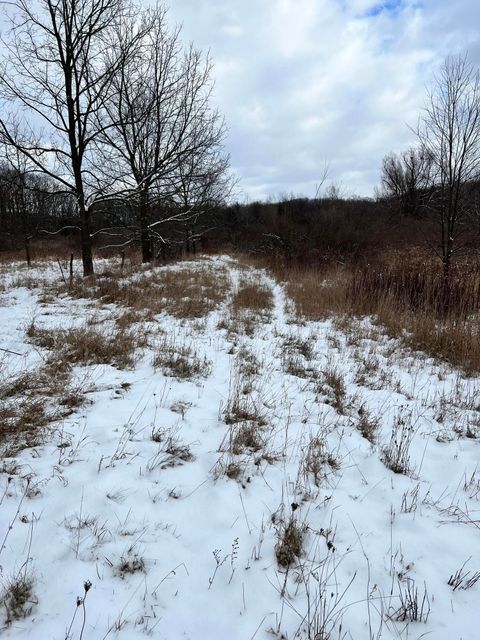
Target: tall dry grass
(405,292)
(254,296)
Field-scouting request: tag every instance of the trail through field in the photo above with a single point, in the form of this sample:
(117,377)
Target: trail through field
(248,474)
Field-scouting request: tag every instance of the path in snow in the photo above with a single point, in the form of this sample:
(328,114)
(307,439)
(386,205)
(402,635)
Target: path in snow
(176,517)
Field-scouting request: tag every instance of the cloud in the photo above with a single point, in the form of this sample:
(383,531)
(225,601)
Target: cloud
(302,82)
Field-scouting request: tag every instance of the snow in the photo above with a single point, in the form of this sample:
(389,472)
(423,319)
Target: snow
(101,469)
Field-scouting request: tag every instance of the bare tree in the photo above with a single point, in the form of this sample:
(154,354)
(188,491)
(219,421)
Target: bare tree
(15,177)
(322,179)
(201,183)
(406,178)
(56,73)
(449,133)
(160,119)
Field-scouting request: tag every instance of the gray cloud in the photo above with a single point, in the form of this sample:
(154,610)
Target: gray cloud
(304,82)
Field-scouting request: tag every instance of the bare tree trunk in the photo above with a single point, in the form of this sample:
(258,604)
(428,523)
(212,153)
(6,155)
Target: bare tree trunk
(85,238)
(446,283)
(27,251)
(144,218)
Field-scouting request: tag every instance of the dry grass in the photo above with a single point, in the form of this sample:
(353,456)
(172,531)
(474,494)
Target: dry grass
(296,353)
(43,250)
(30,400)
(28,281)
(405,294)
(18,598)
(317,295)
(367,424)
(408,298)
(241,406)
(295,365)
(331,385)
(21,422)
(184,292)
(129,564)
(254,296)
(247,363)
(89,345)
(300,345)
(229,466)
(244,437)
(318,462)
(252,303)
(172,452)
(396,454)
(180,361)
(290,541)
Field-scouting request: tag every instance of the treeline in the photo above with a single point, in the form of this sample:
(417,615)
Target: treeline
(316,232)
(310,232)
(29,209)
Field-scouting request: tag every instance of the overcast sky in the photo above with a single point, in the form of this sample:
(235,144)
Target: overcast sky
(304,82)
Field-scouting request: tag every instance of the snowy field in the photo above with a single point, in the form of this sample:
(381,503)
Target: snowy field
(220,469)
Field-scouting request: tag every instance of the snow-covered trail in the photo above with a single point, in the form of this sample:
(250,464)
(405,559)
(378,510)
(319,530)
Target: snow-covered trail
(175,508)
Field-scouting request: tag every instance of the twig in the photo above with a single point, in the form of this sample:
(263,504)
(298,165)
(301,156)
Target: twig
(15,353)
(10,527)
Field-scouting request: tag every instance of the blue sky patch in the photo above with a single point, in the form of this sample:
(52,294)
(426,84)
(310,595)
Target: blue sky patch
(389,6)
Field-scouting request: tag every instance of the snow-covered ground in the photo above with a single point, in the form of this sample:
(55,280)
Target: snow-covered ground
(254,499)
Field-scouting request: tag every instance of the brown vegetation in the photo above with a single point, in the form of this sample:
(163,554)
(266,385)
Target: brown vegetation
(405,292)
(183,292)
(253,296)
(89,345)
(30,400)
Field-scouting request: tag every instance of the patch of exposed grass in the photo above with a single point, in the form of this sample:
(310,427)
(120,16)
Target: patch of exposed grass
(254,296)
(185,292)
(247,363)
(331,385)
(130,564)
(317,295)
(88,345)
(252,303)
(367,424)
(21,422)
(246,436)
(396,454)
(243,409)
(294,365)
(318,461)
(290,541)
(18,598)
(171,451)
(296,344)
(30,400)
(230,466)
(405,294)
(180,361)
